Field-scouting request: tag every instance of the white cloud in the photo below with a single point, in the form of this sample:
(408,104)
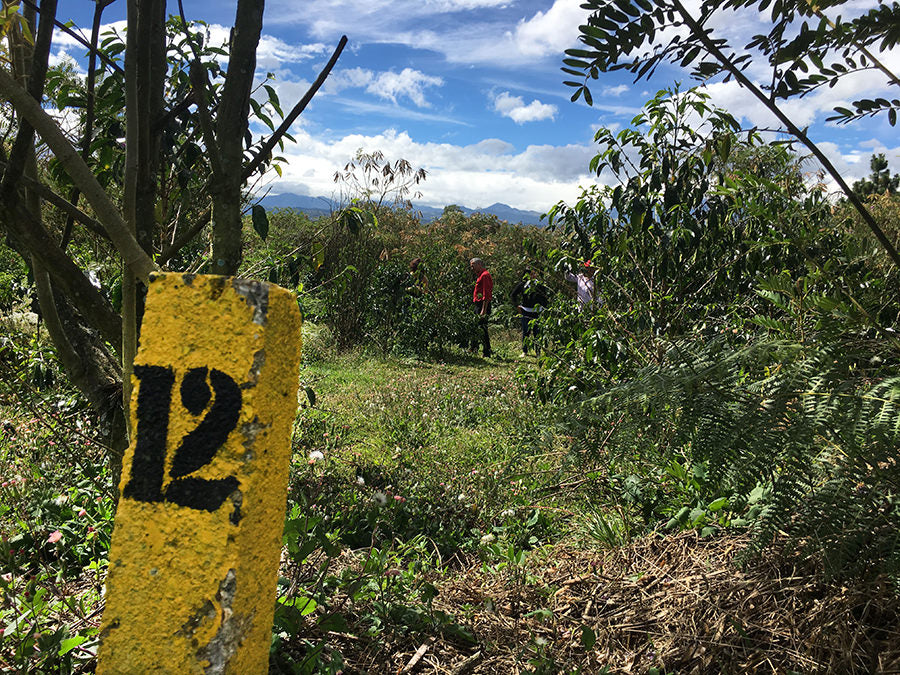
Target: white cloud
(853,163)
(475,175)
(551,32)
(62,57)
(514,107)
(389,85)
(372,15)
(464,31)
(493,146)
(274,53)
(815,107)
(408,82)
(396,112)
(616,91)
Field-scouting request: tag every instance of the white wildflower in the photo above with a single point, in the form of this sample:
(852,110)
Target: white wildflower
(360,480)
(509,513)
(316,456)
(488,539)
(379,498)
(62,499)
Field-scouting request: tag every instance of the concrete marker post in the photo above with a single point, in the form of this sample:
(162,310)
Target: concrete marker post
(197,537)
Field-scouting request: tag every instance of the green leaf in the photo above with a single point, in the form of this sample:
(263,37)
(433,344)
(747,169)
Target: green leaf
(627,7)
(318,254)
(718,504)
(588,637)
(581,53)
(307,605)
(725,147)
(333,623)
(429,592)
(273,99)
(67,645)
(260,221)
(352,219)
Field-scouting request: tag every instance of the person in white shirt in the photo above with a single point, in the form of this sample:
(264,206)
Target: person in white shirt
(584,286)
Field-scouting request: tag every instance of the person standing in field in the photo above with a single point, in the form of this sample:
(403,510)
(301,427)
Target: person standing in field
(530,297)
(481,299)
(584,286)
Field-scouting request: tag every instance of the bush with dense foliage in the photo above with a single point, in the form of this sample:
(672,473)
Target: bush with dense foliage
(352,269)
(741,369)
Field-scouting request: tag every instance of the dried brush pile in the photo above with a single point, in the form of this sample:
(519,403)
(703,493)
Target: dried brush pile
(677,604)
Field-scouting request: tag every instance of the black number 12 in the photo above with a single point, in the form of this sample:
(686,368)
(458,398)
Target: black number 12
(196,449)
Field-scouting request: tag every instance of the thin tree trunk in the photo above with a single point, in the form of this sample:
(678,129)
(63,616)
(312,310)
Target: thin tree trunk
(145,68)
(231,129)
(83,357)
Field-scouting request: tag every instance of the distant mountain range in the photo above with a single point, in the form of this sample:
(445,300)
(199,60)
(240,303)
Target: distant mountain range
(319,206)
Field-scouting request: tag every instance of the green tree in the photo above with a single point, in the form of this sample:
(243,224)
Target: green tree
(737,373)
(804,50)
(185,126)
(879,181)
(696,216)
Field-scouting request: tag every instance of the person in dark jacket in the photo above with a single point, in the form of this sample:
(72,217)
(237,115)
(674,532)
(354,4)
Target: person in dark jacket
(530,297)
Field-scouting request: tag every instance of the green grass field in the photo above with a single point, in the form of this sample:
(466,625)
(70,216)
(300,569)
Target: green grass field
(438,520)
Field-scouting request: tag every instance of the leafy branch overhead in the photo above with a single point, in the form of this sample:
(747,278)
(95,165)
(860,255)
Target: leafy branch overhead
(803,51)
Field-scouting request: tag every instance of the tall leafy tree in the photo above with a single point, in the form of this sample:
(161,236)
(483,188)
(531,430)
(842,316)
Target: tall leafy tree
(696,216)
(804,50)
(880,181)
(187,149)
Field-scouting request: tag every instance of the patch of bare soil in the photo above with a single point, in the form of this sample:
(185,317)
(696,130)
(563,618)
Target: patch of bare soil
(677,603)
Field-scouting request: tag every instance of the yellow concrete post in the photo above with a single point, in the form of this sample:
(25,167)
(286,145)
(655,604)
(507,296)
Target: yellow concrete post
(197,537)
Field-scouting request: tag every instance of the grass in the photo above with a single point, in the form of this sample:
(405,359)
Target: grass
(435,509)
(398,465)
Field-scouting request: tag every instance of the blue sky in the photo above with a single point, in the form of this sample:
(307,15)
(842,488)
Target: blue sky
(471,91)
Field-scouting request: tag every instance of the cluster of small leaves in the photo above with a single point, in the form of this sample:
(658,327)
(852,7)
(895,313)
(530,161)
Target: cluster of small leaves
(778,417)
(374,180)
(880,181)
(804,48)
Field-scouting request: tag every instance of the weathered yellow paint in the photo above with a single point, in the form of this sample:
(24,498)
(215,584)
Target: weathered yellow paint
(189,590)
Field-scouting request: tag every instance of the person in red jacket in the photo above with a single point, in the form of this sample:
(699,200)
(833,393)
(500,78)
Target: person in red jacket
(481,298)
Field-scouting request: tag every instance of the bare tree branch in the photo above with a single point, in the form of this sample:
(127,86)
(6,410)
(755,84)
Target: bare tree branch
(78,38)
(282,129)
(67,207)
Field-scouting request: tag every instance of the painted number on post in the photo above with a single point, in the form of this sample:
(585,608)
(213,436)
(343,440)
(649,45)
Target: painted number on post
(196,449)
